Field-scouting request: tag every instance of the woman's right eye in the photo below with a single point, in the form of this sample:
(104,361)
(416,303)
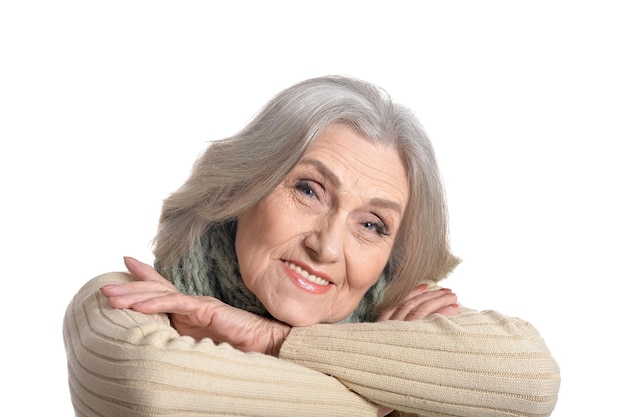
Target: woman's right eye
(307,188)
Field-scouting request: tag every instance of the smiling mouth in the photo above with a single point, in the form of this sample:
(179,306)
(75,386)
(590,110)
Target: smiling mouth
(305,274)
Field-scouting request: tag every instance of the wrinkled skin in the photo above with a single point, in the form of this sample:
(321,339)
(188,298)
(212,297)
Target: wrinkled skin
(201,317)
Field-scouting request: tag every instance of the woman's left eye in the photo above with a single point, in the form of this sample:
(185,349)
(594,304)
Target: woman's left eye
(378,227)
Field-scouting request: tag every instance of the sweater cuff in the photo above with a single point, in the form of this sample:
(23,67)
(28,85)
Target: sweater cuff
(292,344)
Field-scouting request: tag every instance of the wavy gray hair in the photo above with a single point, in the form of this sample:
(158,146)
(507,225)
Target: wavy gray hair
(235,173)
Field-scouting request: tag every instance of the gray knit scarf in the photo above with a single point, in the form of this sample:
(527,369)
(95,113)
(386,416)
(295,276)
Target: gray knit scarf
(210,268)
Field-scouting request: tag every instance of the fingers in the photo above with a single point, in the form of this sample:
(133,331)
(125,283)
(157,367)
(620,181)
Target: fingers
(422,288)
(450,310)
(386,315)
(135,287)
(422,303)
(144,272)
(175,303)
(129,295)
(149,291)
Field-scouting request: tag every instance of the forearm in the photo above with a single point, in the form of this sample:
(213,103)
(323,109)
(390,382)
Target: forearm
(473,364)
(127,363)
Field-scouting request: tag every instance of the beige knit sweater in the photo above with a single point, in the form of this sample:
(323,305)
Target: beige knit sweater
(479,364)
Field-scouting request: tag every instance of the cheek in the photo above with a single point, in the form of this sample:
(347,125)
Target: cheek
(249,225)
(260,230)
(365,269)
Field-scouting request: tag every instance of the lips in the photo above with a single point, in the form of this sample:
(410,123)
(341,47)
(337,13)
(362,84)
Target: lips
(306,280)
(306,275)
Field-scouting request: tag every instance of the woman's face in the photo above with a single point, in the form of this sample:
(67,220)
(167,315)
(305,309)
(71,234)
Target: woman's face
(312,248)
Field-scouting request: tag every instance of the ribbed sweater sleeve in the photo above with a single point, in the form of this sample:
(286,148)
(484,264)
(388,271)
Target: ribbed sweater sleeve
(475,364)
(124,363)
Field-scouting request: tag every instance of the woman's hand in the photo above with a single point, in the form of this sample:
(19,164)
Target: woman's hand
(196,316)
(421,303)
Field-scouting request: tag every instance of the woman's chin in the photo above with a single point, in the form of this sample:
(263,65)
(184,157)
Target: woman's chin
(300,321)
(303,320)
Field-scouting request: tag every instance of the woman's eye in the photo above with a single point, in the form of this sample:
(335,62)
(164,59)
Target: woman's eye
(378,227)
(306,188)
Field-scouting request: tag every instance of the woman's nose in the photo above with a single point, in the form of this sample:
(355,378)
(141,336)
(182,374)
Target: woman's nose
(326,242)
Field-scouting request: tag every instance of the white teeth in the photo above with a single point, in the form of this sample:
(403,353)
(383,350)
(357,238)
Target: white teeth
(309,277)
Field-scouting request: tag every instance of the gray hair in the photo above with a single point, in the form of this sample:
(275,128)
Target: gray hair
(235,173)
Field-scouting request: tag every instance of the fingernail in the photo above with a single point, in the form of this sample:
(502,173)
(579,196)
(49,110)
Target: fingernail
(130,262)
(446,290)
(422,287)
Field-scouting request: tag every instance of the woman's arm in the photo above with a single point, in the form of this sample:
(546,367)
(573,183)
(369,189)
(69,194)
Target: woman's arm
(473,364)
(477,364)
(122,362)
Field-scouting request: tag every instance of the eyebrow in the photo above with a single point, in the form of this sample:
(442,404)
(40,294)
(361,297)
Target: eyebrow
(324,170)
(386,204)
(336,182)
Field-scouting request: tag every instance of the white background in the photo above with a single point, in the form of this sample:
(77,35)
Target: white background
(105,105)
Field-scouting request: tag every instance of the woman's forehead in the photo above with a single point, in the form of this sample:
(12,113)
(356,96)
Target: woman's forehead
(348,159)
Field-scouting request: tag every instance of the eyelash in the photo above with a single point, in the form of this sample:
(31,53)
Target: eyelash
(306,188)
(379,227)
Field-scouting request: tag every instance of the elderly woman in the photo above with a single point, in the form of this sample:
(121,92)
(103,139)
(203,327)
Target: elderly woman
(300,260)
